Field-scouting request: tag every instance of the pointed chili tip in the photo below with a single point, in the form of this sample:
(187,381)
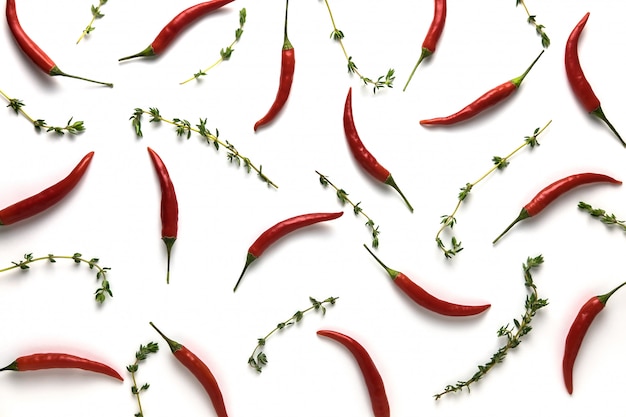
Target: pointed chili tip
(249,259)
(522,215)
(174,346)
(392,272)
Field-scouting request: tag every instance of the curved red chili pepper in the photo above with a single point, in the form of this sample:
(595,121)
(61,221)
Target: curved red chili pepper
(577,332)
(47,198)
(40,361)
(287,68)
(554,190)
(373,380)
(432,36)
(32,50)
(280,229)
(200,370)
(367,161)
(167,35)
(427,300)
(484,102)
(580,86)
(169,206)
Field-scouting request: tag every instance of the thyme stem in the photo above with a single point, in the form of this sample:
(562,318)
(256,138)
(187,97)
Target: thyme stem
(545,40)
(95,14)
(258,358)
(342,195)
(100,294)
(381,82)
(71,127)
(513,334)
(449,220)
(140,355)
(602,215)
(184,128)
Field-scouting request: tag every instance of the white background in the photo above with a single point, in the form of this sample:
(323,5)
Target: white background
(113,213)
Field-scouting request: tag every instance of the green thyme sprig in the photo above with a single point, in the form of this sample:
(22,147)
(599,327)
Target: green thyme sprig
(342,195)
(513,334)
(184,129)
(70,127)
(140,356)
(101,274)
(449,220)
(603,216)
(258,358)
(381,82)
(225,53)
(545,40)
(95,14)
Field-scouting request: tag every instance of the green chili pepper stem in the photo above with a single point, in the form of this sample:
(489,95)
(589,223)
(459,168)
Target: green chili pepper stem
(522,215)
(249,259)
(391,182)
(425,54)
(174,346)
(518,80)
(146,52)
(56,71)
(286,43)
(605,297)
(392,272)
(169,242)
(599,113)
(10,367)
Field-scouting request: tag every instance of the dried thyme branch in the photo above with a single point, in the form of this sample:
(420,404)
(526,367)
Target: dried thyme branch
(225,53)
(545,40)
(258,359)
(381,82)
(608,219)
(72,128)
(184,128)
(342,195)
(100,294)
(140,356)
(95,14)
(513,334)
(449,220)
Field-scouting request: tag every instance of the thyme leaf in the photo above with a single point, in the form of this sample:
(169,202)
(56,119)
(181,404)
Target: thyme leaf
(603,216)
(140,356)
(95,14)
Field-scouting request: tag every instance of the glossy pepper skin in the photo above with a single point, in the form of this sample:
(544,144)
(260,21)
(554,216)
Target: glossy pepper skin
(373,380)
(578,329)
(550,193)
(169,206)
(281,229)
(425,299)
(200,370)
(432,36)
(39,361)
(363,156)
(484,102)
(168,34)
(577,80)
(287,69)
(47,198)
(32,50)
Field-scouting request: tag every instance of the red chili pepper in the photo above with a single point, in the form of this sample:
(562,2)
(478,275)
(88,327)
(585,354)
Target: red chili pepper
(169,206)
(45,199)
(373,380)
(32,50)
(432,36)
(427,300)
(580,86)
(577,332)
(280,229)
(362,155)
(40,361)
(487,100)
(176,25)
(287,67)
(554,190)
(200,370)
